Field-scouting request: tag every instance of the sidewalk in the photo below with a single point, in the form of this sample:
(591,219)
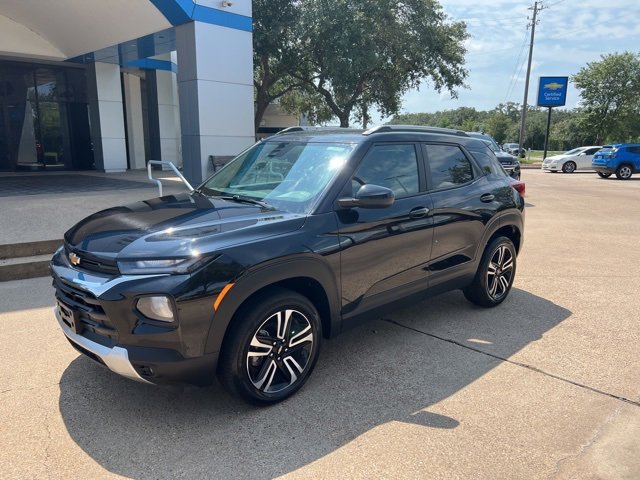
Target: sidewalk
(38,206)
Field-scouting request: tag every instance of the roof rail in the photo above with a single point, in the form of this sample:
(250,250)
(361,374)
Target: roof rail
(305,128)
(415,128)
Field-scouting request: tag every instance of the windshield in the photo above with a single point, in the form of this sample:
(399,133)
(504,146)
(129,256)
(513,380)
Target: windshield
(575,151)
(492,145)
(289,176)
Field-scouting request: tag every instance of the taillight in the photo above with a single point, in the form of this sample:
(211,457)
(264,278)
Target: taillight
(519,187)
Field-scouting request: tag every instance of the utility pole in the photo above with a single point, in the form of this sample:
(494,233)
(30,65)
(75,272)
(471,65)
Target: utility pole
(523,119)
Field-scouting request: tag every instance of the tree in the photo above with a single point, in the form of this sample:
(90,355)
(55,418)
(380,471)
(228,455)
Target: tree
(274,51)
(497,125)
(566,133)
(610,91)
(364,54)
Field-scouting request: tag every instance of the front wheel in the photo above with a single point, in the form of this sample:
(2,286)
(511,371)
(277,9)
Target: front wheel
(272,347)
(569,167)
(495,275)
(604,175)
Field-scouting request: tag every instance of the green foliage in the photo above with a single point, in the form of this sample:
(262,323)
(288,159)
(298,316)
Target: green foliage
(610,91)
(503,124)
(274,51)
(363,54)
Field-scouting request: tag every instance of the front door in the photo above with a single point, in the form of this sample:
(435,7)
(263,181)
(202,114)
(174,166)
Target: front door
(385,250)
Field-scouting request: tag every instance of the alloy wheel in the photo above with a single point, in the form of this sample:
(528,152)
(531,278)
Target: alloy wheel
(625,172)
(500,272)
(569,167)
(280,351)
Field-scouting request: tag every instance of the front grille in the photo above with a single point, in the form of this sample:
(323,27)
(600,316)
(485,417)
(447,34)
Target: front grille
(91,315)
(93,263)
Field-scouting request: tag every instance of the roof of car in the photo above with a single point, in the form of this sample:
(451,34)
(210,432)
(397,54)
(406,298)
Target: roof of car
(353,135)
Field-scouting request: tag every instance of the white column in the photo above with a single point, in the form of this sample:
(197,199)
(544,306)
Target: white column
(110,148)
(167,113)
(215,85)
(135,129)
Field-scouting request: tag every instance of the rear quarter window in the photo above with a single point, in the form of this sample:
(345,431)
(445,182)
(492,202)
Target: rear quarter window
(489,163)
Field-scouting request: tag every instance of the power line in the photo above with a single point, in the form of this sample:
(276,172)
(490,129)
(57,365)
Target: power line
(514,76)
(523,120)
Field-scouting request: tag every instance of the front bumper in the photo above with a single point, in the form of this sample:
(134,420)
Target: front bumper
(100,320)
(551,167)
(512,170)
(115,359)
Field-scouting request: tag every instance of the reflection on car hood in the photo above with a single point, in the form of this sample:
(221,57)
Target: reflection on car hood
(175,226)
(504,157)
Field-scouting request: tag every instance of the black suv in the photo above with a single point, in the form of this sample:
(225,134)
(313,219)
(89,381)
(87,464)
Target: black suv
(299,237)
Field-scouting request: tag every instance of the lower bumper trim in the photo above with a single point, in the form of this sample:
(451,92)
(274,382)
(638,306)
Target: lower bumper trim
(116,359)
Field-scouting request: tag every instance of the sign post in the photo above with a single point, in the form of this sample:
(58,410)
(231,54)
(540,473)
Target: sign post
(552,92)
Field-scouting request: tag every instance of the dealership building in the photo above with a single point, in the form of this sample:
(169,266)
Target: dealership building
(108,85)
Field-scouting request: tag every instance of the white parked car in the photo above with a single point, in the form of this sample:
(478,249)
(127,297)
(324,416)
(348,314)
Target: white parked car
(510,148)
(569,162)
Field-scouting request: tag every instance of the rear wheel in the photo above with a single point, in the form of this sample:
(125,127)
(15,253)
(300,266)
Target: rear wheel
(272,347)
(569,167)
(604,175)
(624,172)
(495,275)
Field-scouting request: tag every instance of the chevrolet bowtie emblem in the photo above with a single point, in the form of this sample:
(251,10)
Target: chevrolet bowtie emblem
(553,86)
(74,259)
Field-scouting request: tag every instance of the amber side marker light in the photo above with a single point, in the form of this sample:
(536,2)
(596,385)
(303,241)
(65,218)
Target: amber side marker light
(222,294)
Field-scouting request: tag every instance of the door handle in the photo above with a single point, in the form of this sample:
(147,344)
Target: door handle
(487,197)
(419,212)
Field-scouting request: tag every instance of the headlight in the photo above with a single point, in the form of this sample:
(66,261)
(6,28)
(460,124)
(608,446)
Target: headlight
(156,307)
(162,265)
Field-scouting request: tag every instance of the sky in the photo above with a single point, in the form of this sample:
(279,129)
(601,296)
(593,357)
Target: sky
(570,33)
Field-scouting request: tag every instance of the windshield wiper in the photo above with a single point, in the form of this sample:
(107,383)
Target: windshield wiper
(243,199)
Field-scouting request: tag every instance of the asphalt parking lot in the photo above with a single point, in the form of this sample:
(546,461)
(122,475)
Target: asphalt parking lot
(545,386)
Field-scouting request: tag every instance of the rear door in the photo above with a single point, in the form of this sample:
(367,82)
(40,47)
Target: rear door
(385,251)
(634,155)
(464,201)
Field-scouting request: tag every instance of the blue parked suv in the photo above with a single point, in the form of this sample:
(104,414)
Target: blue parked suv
(622,159)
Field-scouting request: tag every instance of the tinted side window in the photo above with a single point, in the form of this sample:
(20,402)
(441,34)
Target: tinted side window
(591,151)
(489,163)
(633,149)
(392,166)
(449,167)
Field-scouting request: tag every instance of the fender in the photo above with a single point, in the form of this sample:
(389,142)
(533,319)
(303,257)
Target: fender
(269,273)
(511,217)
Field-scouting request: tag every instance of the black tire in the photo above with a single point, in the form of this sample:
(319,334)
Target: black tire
(487,289)
(624,172)
(604,175)
(265,360)
(569,167)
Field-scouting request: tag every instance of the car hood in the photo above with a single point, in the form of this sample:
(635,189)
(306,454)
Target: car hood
(176,226)
(504,157)
(556,157)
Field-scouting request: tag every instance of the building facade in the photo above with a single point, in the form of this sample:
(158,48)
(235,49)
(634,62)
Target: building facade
(107,86)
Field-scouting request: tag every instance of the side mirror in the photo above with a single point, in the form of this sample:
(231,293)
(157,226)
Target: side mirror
(582,154)
(370,196)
